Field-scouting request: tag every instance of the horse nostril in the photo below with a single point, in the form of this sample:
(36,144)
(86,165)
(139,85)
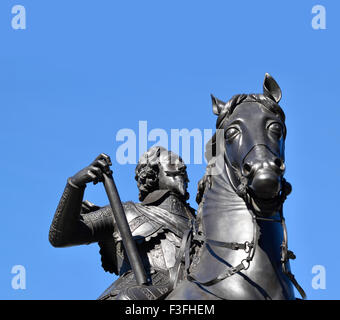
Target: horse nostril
(280,164)
(246,169)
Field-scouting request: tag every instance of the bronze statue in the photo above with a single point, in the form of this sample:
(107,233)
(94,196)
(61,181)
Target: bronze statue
(244,248)
(236,248)
(157,224)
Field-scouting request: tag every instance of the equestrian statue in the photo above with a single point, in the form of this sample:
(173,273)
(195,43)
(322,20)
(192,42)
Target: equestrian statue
(234,248)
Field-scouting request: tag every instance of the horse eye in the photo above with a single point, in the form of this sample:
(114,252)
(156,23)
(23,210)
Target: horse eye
(231,133)
(276,129)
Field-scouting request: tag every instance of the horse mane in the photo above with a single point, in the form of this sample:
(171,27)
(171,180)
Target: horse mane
(226,112)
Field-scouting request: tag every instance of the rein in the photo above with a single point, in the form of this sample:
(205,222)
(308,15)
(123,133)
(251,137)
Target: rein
(249,248)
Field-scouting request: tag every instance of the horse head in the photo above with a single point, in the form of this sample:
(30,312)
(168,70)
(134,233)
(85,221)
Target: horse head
(242,245)
(252,136)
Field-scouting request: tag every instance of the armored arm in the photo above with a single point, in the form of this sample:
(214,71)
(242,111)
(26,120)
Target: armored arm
(70,225)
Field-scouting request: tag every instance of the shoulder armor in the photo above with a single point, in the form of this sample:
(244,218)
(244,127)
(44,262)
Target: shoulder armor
(141,226)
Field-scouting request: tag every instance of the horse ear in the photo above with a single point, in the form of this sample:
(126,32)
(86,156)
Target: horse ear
(217,105)
(271,88)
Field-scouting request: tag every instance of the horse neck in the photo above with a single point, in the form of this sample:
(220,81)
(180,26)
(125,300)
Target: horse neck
(225,215)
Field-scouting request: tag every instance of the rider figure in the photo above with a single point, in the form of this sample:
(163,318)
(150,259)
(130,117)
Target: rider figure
(157,223)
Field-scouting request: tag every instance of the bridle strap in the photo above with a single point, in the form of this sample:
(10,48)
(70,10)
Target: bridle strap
(229,245)
(245,263)
(174,271)
(286,255)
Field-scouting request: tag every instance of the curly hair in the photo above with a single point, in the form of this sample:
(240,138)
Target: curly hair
(147,171)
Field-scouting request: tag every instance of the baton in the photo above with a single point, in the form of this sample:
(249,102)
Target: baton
(124,229)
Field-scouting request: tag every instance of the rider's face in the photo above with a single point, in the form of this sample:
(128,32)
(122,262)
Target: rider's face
(172,173)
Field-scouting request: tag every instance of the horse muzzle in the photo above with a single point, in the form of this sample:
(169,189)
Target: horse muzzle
(264,172)
(266,184)
(265,189)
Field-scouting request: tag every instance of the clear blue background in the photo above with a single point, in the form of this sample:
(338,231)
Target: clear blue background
(82,70)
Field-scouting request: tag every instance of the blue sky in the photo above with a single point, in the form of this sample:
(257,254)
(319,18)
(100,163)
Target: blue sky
(83,70)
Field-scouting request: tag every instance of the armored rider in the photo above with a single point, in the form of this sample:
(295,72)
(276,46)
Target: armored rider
(157,224)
